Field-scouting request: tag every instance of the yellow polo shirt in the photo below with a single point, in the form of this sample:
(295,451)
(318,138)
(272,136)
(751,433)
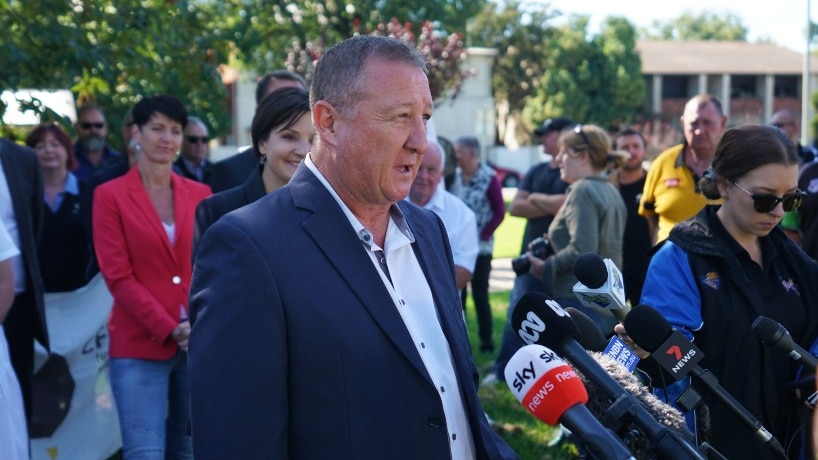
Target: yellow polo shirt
(671,191)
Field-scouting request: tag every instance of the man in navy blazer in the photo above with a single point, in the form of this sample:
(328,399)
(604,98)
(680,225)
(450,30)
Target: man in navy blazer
(327,323)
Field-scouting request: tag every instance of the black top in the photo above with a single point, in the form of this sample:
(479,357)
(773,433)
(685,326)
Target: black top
(636,241)
(65,246)
(213,207)
(230,172)
(540,179)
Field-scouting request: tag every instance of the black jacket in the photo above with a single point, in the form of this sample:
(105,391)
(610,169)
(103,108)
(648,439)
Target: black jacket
(755,374)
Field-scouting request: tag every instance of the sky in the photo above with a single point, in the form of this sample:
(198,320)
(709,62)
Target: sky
(781,21)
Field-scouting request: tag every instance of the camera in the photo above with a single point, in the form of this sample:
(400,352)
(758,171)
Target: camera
(540,247)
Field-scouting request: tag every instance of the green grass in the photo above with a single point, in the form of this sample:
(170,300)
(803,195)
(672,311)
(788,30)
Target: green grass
(524,433)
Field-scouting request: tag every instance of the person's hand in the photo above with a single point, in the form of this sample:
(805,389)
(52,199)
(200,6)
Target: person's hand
(181,334)
(537,266)
(620,331)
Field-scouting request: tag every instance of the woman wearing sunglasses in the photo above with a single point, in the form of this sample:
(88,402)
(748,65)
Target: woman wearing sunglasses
(721,269)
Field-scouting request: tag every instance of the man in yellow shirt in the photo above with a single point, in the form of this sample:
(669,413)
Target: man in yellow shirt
(671,192)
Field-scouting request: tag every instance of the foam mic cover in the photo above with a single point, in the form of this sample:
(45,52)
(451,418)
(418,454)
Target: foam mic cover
(529,319)
(773,334)
(590,270)
(679,357)
(647,327)
(600,285)
(552,391)
(591,337)
(545,384)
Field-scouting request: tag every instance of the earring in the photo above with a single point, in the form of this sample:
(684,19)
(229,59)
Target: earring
(262,158)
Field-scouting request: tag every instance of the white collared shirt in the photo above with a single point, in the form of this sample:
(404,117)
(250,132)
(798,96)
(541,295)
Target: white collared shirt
(8,220)
(460,224)
(413,299)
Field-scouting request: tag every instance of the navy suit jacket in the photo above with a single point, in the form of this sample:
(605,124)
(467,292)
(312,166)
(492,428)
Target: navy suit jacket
(298,351)
(232,171)
(219,204)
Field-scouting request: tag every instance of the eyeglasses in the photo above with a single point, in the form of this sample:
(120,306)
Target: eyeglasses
(578,130)
(88,125)
(766,202)
(197,139)
(782,124)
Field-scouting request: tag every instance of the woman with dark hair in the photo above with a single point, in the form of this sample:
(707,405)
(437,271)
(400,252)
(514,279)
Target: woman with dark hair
(143,234)
(723,268)
(282,136)
(65,244)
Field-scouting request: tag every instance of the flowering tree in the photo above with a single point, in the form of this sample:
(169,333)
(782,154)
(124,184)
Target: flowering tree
(444,53)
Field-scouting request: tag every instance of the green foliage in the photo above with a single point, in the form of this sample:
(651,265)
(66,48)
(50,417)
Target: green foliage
(111,52)
(596,79)
(702,26)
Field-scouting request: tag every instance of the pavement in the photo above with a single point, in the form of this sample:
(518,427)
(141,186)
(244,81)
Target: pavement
(502,276)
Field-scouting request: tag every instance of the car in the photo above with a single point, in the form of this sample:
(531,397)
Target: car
(508,177)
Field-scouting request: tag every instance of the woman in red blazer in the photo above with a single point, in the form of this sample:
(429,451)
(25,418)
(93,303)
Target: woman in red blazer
(143,234)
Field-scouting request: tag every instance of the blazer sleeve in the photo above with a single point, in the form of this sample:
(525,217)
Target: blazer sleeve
(228,341)
(113,254)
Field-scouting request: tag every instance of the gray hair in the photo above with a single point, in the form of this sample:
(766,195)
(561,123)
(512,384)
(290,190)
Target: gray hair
(470,142)
(193,120)
(338,74)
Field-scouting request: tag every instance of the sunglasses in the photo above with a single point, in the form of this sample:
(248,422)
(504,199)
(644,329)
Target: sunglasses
(87,125)
(197,139)
(766,202)
(578,130)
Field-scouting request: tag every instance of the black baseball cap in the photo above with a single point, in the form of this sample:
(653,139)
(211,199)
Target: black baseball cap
(553,124)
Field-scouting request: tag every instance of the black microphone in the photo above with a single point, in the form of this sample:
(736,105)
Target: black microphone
(600,285)
(550,389)
(777,336)
(540,320)
(591,336)
(679,357)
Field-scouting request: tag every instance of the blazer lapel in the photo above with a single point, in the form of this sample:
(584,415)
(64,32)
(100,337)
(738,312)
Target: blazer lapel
(332,233)
(142,203)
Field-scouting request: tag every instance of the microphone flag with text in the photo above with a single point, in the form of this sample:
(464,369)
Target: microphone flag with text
(553,392)
(678,357)
(539,320)
(600,285)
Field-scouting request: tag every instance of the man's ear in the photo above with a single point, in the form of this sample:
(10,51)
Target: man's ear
(325,119)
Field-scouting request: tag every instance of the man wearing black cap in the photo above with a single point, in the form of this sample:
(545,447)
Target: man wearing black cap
(538,198)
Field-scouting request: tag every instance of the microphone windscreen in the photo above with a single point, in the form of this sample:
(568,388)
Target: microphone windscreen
(633,436)
(765,328)
(538,319)
(592,338)
(590,270)
(647,327)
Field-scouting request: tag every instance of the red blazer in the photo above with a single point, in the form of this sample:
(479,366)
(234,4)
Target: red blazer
(148,278)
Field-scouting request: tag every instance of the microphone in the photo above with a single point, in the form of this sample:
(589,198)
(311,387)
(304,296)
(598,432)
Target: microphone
(592,339)
(535,314)
(591,336)
(773,334)
(600,285)
(679,357)
(550,389)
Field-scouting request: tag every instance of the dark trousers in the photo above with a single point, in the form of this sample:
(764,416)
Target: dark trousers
(19,329)
(480,295)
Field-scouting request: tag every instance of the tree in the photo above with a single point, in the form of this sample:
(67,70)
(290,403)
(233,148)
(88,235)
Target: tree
(264,34)
(111,52)
(523,39)
(702,26)
(594,79)
(443,51)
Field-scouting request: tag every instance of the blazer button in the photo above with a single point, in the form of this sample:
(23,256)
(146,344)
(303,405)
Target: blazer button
(176,279)
(435,422)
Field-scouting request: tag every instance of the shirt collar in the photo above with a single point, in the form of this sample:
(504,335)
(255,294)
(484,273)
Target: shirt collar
(72,185)
(395,213)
